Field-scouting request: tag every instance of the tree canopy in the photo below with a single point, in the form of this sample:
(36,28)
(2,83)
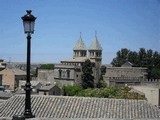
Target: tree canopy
(101,83)
(47,66)
(87,78)
(143,58)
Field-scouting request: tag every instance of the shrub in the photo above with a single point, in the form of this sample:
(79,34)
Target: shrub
(72,90)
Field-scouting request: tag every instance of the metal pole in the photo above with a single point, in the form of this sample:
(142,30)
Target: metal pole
(28,111)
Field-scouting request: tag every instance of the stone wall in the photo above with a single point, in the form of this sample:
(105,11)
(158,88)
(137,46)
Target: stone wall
(46,76)
(52,76)
(151,93)
(119,76)
(70,74)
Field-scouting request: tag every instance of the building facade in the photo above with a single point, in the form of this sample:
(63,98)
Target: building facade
(10,78)
(125,75)
(2,64)
(70,71)
(49,90)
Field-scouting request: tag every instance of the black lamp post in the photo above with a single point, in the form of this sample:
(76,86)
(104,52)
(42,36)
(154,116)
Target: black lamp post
(28,23)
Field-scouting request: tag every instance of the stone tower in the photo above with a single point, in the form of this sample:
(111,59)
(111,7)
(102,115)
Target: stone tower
(80,49)
(95,55)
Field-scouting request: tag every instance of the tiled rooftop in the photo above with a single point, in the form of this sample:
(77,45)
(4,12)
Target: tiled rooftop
(33,82)
(80,107)
(77,119)
(5,95)
(46,87)
(15,71)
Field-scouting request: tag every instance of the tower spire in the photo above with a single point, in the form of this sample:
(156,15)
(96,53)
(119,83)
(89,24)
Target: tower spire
(80,49)
(95,45)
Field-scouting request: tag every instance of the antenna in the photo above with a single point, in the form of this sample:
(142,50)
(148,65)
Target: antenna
(80,34)
(95,33)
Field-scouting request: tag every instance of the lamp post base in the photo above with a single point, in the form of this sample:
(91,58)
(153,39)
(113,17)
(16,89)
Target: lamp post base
(18,117)
(28,115)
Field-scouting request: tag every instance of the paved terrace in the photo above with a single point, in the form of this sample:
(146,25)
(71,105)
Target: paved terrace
(64,108)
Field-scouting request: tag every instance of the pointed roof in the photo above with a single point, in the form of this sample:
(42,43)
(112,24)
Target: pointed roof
(127,64)
(80,45)
(95,45)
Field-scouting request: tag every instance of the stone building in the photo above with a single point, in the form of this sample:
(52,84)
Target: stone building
(10,78)
(69,71)
(126,74)
(45,76)
(2,64)
(35,85)
(67,74)
(49,90)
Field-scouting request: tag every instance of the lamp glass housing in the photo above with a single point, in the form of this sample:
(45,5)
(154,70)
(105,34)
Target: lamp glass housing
(28,26)
(28,22)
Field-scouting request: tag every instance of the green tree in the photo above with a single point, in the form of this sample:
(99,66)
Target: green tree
(121,58)
(149,62)
(87,78)
(101,82)
(71,90)
(142,58)
(103,70)
(47,66)
(133,58)
(155,73)
(156,59)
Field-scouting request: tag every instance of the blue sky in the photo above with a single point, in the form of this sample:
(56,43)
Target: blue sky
(131,24)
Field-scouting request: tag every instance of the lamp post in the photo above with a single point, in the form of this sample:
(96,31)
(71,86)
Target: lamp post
(28,23)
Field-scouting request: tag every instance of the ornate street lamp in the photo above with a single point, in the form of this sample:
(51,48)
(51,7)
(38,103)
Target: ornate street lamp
(28,23)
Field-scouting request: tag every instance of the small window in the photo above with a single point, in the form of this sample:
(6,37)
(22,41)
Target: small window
(68,73)
(0,80)
(60,73)
(97,54)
